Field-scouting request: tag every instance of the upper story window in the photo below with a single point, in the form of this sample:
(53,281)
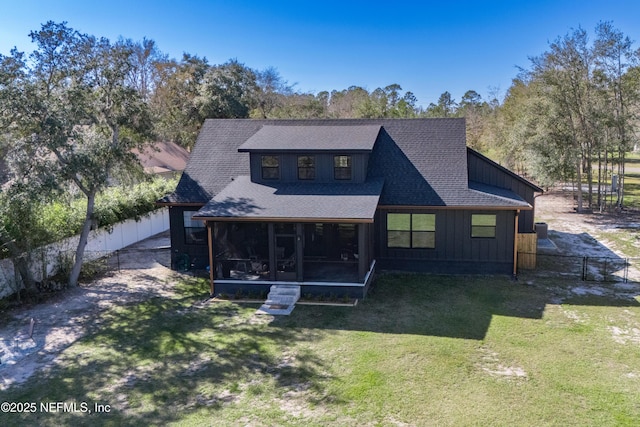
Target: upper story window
(483,226)
(270,167)
(306,167)
(342,167)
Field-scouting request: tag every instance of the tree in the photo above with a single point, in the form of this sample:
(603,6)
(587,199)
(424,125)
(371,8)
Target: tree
(173,102)
(406,107)
(567,73)
(445,108)
(143,72)
(474,110)
(344,104)
(77,119)
(271,92)
(227,91)
(614,57)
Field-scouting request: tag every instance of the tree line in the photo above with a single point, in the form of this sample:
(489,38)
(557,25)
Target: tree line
(72,110)
(570,116)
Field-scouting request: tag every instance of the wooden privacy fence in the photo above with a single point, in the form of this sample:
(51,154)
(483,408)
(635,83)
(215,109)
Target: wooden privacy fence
(527,248)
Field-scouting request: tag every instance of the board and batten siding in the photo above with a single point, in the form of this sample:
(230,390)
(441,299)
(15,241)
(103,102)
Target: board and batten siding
(323,164)
(482,171)
(198,253)
(455,250)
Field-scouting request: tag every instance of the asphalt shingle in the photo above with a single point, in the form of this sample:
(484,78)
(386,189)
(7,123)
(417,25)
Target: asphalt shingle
(313,138)
(304,201)
(423,162)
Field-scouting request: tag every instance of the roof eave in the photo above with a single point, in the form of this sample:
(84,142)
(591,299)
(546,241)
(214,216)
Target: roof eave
(282,219)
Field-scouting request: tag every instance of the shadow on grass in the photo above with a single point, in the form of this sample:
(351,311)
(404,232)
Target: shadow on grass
(150,361)
(155,361)
(447,306)
(444,306)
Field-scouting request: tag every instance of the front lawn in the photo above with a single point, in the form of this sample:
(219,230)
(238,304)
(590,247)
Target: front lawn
(420,350)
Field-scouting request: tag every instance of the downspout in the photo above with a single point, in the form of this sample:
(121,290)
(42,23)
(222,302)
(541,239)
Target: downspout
(515,247)
(211,263)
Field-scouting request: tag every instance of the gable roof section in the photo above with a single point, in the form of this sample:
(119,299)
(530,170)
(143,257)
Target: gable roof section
(423,162)
(312,138)
(163,157)
(243,199)
(498,166)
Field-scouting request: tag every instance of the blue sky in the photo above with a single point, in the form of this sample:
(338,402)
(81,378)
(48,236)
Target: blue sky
(426,47)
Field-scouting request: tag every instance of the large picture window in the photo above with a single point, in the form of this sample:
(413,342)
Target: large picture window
(270,167)
(306,167)
(416,231)
(483,225)
(195,232)
(342,167)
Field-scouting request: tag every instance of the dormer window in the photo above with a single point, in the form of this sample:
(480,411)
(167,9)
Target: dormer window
(342,167)
(306,167)
(270,167)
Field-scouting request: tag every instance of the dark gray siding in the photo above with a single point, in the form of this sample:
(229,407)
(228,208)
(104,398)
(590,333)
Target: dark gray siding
(455,250)
(483,171)
(198,254)
(324,166)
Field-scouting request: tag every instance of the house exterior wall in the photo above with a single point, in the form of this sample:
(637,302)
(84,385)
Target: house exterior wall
(324,167)
(455,250)
(486,173)
(198,254)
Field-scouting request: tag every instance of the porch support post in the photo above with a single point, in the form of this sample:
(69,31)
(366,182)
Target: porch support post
(299,252)
(212,267)
(272,251)
(363,254)
(515,245)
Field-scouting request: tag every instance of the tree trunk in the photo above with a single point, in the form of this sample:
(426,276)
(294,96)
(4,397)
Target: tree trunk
(84,236)
(621,179)
(600,181)
(579,182)
(589,179)
(19,259)
(21,268)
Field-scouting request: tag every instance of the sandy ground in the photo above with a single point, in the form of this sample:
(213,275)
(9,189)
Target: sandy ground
(65,318)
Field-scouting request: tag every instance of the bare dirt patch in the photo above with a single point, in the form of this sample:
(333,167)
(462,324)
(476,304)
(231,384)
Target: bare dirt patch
(578,235)
(491,364)
(144,272)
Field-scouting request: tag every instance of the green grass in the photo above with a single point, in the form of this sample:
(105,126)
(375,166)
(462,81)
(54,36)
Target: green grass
(420,350)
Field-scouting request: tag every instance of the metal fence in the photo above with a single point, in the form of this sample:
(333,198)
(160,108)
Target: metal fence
(95,264)
(589,268)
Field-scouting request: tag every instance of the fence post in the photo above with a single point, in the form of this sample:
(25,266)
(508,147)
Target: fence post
(626,270)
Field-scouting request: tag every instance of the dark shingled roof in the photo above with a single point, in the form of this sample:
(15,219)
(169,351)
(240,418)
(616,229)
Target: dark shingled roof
(313,138)
(423,162)
(305,201)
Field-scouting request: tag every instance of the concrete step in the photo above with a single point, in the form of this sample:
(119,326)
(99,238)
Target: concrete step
(281,300)
(276,310)
(285,290)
